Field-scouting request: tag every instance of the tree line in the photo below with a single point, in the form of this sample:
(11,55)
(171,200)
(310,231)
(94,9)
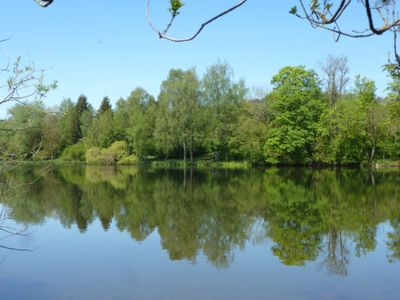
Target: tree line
(307,118)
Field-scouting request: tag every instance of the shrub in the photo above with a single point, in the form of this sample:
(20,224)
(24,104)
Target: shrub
(128,160)
(93,155)
(74,153)
(119,149)
(107,157)
(97,156)
(117,153)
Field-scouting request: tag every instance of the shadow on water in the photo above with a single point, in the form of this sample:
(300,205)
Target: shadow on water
(302,215)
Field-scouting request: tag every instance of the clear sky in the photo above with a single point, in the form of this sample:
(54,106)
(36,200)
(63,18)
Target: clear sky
(106,47)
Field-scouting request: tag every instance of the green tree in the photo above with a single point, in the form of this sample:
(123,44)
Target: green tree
(121,120)
(101,132)
(296,107)
(221,97)
(140,124)
(105,105)
(134,122)
(24,86)
(164,140)
(393,100)
(81,107)
(249,132)
(376,115)
(66,112)
(342,137)
(26,137)
(52,136)
(179,97)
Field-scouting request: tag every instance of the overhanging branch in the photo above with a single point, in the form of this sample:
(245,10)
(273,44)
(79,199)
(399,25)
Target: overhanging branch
(163,34)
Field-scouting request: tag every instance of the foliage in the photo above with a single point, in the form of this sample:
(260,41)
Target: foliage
(130,160)
(213,120)
(139,125)
(120,149)
(25,135)
(115,154)
(296,107)
(181,113)
(74,152)
(249,132)
(175,6)
(105,106)
(101,133)
(222,97)
(98,156)
(81,107)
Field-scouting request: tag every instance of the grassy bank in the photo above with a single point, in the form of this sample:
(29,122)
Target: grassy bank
(205,164)
(381,164)
(173,163)
(199,164)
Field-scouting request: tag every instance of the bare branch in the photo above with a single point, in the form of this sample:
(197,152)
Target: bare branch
(320,16)
(163,35)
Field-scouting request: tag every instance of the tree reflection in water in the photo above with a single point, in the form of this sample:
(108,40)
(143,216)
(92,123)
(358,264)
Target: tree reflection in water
(304,215)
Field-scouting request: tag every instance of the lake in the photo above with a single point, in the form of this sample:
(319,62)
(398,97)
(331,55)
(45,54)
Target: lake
(129,233)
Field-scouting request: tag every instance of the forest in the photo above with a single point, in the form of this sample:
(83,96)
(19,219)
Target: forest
(305,119)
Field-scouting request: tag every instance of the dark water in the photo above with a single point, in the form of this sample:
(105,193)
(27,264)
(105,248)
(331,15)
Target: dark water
(101,233)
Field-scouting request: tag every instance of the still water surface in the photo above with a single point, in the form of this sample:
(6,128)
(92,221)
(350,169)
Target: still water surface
(105,233)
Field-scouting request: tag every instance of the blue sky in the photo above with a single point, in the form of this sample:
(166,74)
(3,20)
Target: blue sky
(103,47)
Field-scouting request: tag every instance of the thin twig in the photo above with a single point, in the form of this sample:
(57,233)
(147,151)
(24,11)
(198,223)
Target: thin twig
(163,35)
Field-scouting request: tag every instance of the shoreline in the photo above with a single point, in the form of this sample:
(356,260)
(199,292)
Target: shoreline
(203,164)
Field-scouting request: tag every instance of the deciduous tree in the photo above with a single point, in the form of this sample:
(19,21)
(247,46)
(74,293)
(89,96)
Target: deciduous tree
(296,107)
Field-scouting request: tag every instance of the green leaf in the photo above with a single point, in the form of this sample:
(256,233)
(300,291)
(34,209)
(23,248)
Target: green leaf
(175,6)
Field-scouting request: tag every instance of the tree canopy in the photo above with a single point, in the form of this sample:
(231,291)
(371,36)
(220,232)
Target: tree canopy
(303,120)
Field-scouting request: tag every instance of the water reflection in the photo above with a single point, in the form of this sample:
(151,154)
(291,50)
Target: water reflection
(301,215)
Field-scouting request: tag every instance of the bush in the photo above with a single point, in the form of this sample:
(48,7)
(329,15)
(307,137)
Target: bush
(117,153)
(93,155)
(107,157)
(97,156)
(120,149)
(128,160)
(74,153)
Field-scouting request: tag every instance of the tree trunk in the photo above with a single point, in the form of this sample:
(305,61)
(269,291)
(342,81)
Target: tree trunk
(373,152)
(216,156)
(184,151)
(184,177)
(191,149)
(374,129)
